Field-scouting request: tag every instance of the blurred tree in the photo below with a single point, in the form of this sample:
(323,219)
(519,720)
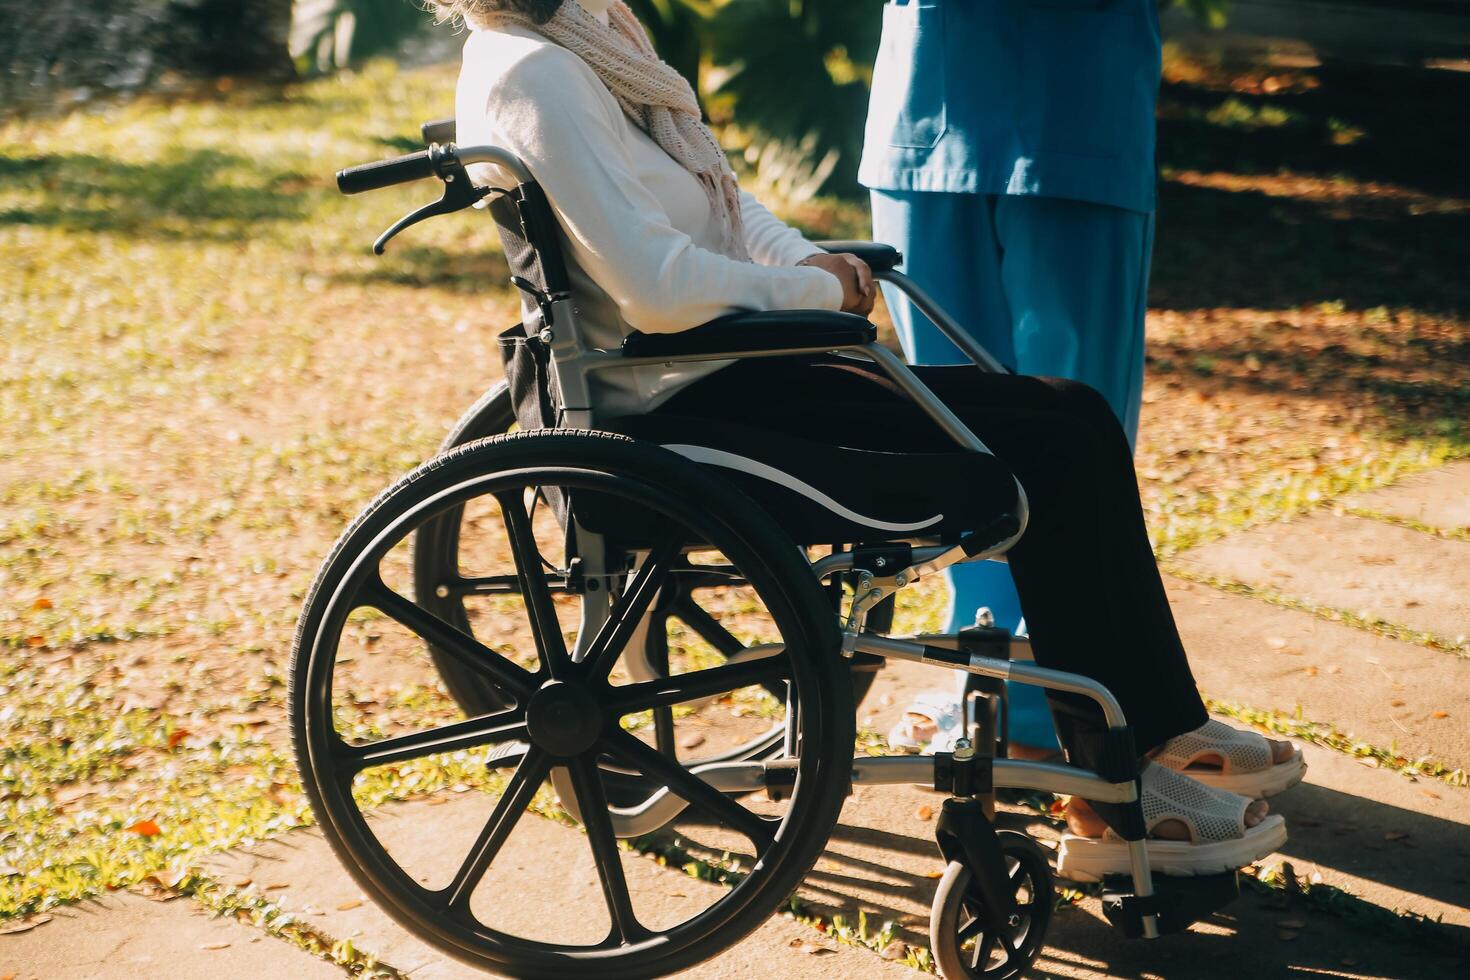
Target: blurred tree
(796,75)
(331,34)
(83,47)
(1211,13)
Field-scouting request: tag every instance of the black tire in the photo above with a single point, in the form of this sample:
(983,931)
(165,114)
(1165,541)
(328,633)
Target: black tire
(961,947)
(436,560)
(665,484)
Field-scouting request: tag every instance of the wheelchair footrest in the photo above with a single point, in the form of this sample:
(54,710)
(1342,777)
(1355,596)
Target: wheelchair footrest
(1178,902)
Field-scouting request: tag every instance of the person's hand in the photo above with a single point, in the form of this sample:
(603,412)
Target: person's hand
(858,288)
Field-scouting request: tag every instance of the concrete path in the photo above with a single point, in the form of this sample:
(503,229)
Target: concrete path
(1395,844)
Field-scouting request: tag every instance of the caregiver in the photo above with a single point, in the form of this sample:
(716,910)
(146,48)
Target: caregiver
(1010,154)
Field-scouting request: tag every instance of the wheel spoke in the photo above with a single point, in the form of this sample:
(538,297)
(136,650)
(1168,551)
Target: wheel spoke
(972,929)
(592,804)
(711,630)
(450,639)
(631,606)
(690,788)
(537,594)
(492,729)
(519,791)
(629,698)
(983,948)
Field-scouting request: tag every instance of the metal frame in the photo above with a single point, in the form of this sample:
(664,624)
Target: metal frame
(573,363)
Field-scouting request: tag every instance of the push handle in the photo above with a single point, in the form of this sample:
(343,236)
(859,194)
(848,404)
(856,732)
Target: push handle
(386,173)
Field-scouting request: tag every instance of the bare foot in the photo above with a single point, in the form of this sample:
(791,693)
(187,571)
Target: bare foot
(1083,820)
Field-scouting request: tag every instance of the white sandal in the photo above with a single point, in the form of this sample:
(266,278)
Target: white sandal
(1246,762)
(1219,840)
(939,710)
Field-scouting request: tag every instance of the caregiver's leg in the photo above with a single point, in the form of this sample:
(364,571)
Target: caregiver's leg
(950,249)
(1075,276)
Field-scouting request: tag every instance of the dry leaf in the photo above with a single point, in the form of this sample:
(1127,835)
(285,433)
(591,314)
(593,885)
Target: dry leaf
(72,792)
(924,812)
(242,882)
(895,950)
(934,874)
(23,925)
(277,884)
(349,905)
(1396,703)
(41,603)
(1440,714)
(176,736)
(691,741)
(214,945)
(35,641)
(811,948)
(146,828)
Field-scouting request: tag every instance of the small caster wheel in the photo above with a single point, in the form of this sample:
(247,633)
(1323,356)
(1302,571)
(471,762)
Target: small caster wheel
(957,934)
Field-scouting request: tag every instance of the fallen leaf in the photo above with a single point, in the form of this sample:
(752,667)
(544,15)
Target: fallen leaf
(277,884)
(146,828)
(73,792)
(1396,703)
(242,882)
(811,948)
(895,950)
(691,741)
(214,945)
(176,736)
(1440,714)
(41,603)
(924,812)
(349,905)
(35,641)
(934,874)
(23,925)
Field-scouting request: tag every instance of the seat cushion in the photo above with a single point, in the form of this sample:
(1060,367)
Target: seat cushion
(823,493)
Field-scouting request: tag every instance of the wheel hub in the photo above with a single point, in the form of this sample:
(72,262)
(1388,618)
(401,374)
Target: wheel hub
(564,718)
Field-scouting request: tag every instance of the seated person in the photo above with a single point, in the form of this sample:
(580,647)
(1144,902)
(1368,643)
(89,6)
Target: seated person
(659,239)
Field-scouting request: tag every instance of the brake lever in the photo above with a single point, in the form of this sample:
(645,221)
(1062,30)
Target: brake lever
(459,193)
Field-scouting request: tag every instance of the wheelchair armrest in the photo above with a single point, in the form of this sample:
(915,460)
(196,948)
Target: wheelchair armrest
(880,257)
(768,331)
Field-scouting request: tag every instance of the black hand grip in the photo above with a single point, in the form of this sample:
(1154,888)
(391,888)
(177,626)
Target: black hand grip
(385,173)
(439,131)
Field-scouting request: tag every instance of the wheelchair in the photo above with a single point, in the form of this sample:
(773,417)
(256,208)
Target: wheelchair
(659,582)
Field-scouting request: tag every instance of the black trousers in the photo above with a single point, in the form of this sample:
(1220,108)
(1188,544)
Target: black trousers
(1087,579)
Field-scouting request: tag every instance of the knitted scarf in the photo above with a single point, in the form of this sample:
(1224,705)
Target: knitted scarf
(655,96)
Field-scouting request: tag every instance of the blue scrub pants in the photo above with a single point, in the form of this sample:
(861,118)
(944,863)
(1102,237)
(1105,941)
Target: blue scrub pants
(1050,287)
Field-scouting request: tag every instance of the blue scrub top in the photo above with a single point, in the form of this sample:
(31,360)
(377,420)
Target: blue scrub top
(1048,97)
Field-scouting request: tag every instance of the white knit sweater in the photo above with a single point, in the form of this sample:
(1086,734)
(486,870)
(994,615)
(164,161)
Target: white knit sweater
(640,239)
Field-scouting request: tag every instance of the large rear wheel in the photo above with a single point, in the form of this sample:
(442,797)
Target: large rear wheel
(565,607)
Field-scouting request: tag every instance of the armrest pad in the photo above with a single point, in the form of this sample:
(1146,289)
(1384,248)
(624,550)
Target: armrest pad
(880,257)
(749,333)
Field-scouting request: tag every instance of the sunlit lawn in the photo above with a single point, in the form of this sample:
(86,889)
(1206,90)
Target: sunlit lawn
(205,374)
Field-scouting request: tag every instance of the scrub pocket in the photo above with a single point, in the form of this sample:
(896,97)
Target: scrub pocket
(1078,75)
(907,104)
